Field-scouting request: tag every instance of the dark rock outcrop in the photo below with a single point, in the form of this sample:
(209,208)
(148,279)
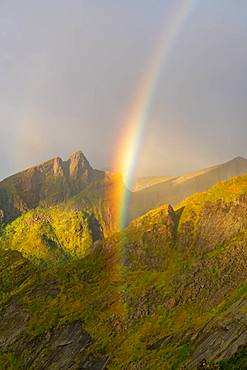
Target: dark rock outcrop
(64,346)
(222,337)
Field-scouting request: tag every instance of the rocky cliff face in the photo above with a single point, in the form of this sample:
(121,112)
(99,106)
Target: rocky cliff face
(221,338)
(46,184)
(24,344)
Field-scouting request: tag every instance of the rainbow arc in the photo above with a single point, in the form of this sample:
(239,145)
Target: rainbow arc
(136,122)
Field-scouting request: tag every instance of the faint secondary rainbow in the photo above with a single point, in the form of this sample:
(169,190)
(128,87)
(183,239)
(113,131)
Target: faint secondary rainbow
(134,127)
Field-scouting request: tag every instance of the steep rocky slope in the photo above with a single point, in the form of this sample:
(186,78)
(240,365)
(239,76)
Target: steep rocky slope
(72,189)
(166,293)
(176,189)
(45,185)
(42,315)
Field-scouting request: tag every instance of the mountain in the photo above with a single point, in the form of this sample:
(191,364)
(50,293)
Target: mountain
(168,292)
(145,182)
(76,183)
(73,185)
(45,185)
(68,229)
(64,207)
(175,189)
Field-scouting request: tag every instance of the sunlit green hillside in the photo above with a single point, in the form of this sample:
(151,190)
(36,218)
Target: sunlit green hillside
(158,295)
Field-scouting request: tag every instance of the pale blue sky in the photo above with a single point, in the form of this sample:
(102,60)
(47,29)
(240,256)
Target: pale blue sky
(68,70)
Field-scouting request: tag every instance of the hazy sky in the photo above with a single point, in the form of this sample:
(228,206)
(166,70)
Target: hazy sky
(69,70)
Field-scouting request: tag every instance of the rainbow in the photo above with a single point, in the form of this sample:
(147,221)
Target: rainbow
(136,122)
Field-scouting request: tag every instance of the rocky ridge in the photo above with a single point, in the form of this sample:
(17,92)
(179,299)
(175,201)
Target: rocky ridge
(44,185)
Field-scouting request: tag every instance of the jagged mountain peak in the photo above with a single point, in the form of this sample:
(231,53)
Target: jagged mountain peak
(77,155)
(57,166)
(238,159)
(78,163)
(46,184)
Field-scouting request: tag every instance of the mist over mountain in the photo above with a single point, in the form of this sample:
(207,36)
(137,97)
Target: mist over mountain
(174,189)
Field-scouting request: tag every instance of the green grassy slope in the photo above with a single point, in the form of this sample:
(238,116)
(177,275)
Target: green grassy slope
(158,295)
(52,234)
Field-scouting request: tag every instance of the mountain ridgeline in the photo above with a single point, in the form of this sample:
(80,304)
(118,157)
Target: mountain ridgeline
(46,184)
(57,181)
(71,184)
(167,292)
(173,190)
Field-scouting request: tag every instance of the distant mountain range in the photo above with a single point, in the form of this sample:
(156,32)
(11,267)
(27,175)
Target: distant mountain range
(74,181)
(148,181)
(156,191)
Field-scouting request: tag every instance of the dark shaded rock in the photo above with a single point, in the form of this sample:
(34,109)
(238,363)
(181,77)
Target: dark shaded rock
(221,338)
(95,228)
(58,348)
(96,364)
(13,324)
(159,343)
